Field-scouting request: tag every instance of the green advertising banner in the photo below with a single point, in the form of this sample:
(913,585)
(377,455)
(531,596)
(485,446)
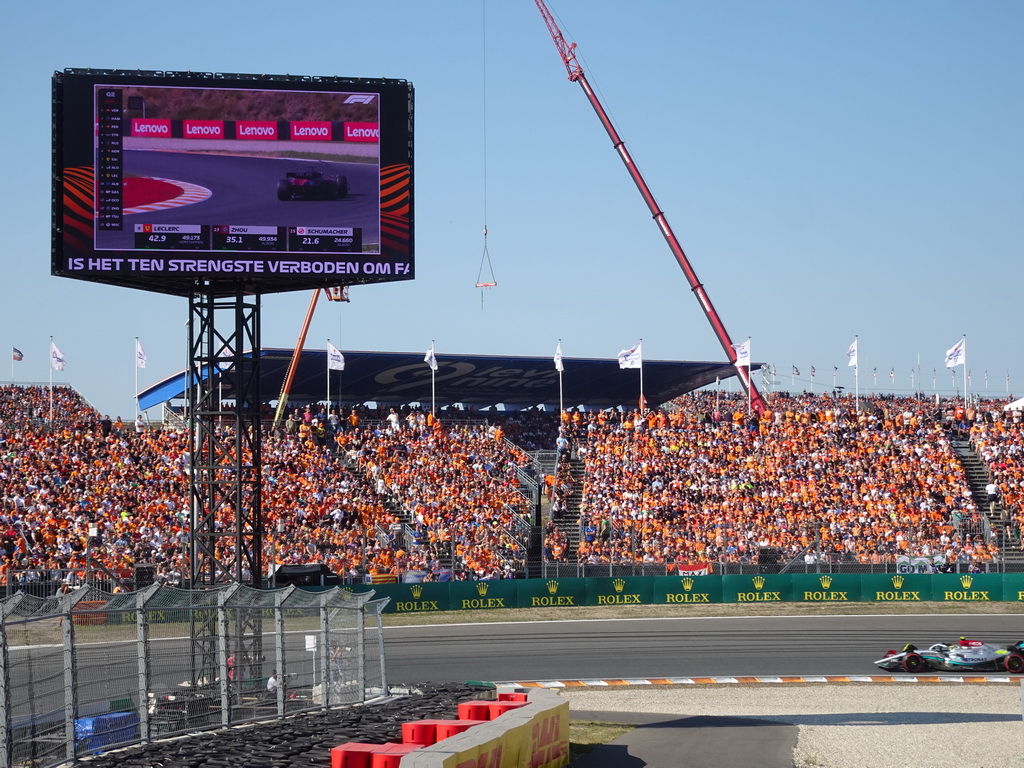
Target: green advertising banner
(485,595)
(826,587)
(967,587)
(694,590)
(414,598)
(757,588)
(624,590)
(687,590)
(1013,587)
(896,587)
(552,593)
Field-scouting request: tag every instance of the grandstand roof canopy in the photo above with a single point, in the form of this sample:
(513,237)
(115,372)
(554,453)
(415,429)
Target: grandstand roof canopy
(477,380)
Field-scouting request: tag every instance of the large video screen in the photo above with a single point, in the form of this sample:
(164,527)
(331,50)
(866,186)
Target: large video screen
(261,183)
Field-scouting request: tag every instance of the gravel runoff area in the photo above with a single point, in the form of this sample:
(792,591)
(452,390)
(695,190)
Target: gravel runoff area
(853,725)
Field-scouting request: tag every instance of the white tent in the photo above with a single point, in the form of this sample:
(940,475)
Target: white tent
(1016,405)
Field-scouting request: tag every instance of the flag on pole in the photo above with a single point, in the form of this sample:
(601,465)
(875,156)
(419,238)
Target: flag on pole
(631,358)
(796,371)
(140,355)
(335,360)
(955,354)
(16,355)
(892,374)
(227,355)
(56,358)
(742,353)
(812,371)
(558,358)
(851,353)
(430,359)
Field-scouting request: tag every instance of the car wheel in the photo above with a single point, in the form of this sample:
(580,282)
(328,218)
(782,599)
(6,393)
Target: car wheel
(284,190)
(1014,663)
(914,662)
(342,187)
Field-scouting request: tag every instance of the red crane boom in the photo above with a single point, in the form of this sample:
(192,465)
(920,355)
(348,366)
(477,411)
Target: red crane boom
(568,53)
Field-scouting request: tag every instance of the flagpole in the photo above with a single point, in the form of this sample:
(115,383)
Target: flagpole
(433,391)
(750,359)
(136,377)
(561,404)
(50,355)
(856,377)
(965,371)
(642,400)
(328,377)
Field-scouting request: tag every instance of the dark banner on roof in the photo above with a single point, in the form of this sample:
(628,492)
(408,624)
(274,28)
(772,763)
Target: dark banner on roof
(477,380)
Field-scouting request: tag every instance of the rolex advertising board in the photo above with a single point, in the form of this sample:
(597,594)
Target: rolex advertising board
(552,593)
(826,587)
(967,587)
(482,595)
(758,588)
(687,590)
(624,590)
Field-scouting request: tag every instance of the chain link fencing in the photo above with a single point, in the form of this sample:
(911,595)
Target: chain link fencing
(86,671)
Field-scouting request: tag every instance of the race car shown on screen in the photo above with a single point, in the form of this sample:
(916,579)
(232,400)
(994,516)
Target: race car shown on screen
(964,656)
(312,184)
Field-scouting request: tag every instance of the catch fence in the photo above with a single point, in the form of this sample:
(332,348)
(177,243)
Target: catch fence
(87,671)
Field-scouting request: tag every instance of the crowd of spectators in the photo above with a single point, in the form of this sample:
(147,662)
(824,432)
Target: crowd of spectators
(378,493)
(998,438)
(363,495)
(812,477)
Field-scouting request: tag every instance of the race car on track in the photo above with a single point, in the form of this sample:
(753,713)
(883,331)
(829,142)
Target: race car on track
(964,656)
(312,184)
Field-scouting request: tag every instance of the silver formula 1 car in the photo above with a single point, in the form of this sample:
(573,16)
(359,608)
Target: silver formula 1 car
(964,656)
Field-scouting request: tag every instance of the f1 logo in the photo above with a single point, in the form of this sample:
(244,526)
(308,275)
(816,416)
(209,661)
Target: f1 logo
(360,98)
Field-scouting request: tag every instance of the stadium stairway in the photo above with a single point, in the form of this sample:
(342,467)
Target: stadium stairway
(569,521)
(977,478)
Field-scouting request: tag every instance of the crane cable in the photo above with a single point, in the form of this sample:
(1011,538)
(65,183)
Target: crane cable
(485,258)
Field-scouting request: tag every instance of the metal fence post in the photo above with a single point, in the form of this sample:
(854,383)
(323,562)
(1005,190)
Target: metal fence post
(384,690)
(7,739)
(280,659)
(70,675)
(142,654)
(324,653)
(222,652)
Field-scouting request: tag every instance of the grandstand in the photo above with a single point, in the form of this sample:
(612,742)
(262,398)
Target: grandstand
(389,493)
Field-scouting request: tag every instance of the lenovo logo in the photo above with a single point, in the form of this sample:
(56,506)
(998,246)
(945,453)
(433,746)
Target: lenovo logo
(362,132)
(319,131)
(255,130)
(142,127)
(203,129)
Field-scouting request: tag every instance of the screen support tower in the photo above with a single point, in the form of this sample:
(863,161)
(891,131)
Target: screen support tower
(225,462)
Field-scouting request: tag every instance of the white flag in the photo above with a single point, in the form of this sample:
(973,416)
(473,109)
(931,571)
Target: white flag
(851,353)
(631,358)
(140,355)
(430,359)
(558,358)
(742,354)
(955,355)
(335,360)
(56,358)
(225,359)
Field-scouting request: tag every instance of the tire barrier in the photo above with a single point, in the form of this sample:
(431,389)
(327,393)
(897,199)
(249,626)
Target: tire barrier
(300,741)
(421,730)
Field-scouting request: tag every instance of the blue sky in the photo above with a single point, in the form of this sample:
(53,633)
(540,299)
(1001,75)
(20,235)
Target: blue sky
(831,170)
